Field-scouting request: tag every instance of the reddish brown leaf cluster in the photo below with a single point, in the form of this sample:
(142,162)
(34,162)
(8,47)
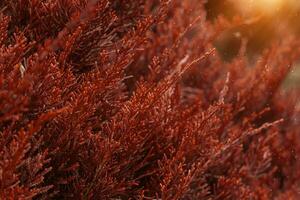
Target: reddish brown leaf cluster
(127,99)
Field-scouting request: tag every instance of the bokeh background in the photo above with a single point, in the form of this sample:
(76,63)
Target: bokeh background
(261,23)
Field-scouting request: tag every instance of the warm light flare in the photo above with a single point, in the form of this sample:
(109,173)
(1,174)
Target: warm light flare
(268,5)
(259,6)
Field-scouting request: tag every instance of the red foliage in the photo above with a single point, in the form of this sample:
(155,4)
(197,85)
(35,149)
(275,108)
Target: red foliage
(118,99)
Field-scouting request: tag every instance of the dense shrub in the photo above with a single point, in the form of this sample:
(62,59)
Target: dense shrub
(127,99)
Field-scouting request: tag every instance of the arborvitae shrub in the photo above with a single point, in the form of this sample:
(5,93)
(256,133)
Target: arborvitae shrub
(115,99)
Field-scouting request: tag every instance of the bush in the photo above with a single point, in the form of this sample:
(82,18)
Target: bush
(113,99)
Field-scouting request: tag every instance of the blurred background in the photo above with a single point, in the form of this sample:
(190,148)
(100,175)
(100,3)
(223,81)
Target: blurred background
(261,22)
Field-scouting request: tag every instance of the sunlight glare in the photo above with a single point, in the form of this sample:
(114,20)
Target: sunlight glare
(269,5)
(261,6)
